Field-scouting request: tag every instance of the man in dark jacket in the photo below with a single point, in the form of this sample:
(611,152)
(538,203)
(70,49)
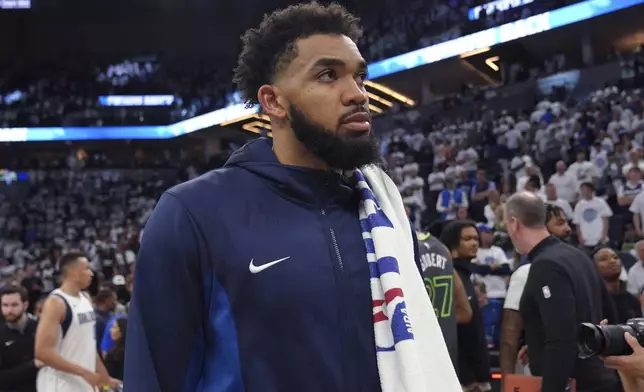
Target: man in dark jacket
(610,268)
(18,368)
(462,239)
(255,277)
(562,291)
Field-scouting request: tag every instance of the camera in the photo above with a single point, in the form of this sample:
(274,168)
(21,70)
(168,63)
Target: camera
(607,340)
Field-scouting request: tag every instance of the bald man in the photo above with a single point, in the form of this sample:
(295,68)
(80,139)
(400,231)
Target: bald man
(562,291)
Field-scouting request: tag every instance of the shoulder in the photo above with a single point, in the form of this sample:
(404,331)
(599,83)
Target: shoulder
(54,306)
(520,274)
(434,242)
(86,296)
(550,264)
(214,180)
(198,197)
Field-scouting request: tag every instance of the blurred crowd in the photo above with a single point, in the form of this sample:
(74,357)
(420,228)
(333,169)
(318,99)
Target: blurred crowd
(35,93)
(584,156)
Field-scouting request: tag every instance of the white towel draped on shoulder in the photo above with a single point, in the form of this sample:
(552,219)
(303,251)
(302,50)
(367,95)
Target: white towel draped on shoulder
(411,352)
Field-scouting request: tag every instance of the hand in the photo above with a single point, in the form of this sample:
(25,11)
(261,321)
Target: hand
(523,356)
(629,366)
(94,379)
(495,266)
(113,383)
(38,363)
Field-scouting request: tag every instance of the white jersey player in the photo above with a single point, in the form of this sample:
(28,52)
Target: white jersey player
(65,338)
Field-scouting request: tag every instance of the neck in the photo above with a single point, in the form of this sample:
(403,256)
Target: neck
(533,238)
(613,287)
(552,198)
(69,288)
(289,151)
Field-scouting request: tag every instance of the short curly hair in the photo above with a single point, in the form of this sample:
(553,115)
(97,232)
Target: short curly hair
(270,48)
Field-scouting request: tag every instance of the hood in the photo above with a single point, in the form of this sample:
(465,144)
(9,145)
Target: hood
(294,182)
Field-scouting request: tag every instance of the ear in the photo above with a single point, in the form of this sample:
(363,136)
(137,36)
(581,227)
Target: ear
(271,100)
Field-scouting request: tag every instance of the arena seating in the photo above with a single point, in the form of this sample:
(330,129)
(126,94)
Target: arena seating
(97,201)
(66,91)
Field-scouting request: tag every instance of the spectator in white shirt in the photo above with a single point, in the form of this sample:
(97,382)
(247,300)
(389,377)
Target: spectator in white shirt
(633,161)
(583,170)
(635,282)
(591,217)
(450,200)
(493,211)
(436,180)
(637,208)
(598,157)
(632,187)
(534,185)
(564,182)
(467,158)
(530,171)
(491,263)
(551,198)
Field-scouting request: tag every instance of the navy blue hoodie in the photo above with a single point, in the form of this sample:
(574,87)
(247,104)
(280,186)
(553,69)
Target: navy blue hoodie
(206,315)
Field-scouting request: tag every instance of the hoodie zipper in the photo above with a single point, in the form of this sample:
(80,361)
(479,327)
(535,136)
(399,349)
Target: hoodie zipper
(334,240)
(336,248)
(340,277)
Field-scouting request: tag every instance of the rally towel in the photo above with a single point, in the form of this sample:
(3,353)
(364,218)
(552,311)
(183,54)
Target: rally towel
(411,351)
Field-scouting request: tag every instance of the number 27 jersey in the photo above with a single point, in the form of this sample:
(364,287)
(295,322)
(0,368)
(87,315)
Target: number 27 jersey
(438,276)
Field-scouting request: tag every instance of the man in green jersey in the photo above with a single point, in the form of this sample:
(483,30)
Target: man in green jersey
(445,289)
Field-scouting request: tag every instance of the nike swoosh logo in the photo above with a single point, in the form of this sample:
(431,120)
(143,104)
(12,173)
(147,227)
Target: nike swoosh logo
(257,269)
(9,343)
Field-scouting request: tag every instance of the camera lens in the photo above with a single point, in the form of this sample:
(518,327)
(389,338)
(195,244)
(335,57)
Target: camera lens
(590,340)
(603,340)
(615,342)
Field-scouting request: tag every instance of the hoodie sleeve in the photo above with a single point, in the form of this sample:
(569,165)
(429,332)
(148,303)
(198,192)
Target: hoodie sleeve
(166,317)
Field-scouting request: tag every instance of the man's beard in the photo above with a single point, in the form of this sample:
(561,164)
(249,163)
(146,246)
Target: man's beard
(13,319)
(344,151)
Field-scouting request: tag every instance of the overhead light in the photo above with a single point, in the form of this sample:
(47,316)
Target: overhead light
(474,52)
(375,109)
(256,127)
(238,119)
(491,62)
(250,128)
(379,99)
(390,92)
(259,124)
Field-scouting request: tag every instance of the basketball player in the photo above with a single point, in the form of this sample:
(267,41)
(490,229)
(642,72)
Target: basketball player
(445,289)
(65,339)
